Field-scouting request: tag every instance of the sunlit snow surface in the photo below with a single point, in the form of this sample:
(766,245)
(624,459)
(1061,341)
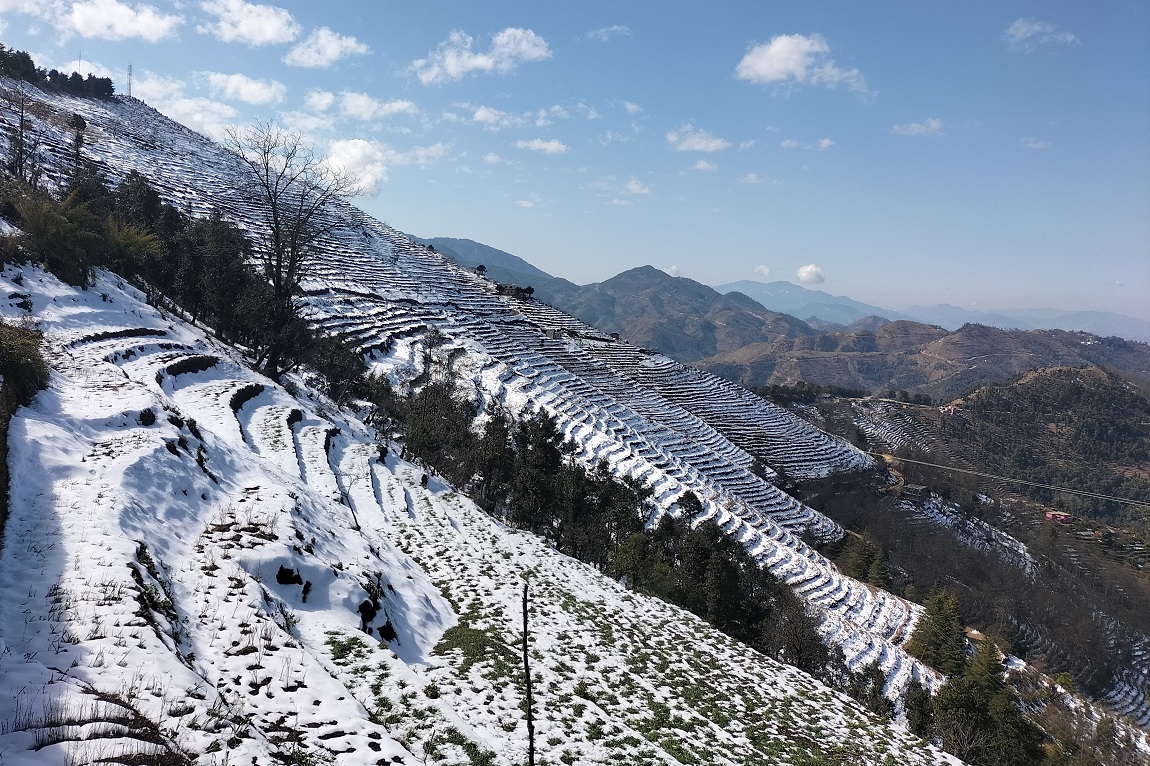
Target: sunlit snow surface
(222,499)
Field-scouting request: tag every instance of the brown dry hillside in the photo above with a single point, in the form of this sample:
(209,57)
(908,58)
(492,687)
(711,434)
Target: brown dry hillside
(922,358)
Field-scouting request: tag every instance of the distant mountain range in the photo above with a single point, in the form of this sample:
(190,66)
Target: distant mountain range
(750,332)
(826,308)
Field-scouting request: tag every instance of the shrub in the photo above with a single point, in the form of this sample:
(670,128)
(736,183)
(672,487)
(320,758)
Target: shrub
(21,363)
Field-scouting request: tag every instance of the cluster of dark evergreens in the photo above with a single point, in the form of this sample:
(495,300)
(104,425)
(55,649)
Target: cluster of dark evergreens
(201,265)
(864,560)
(19,66)
(1062,620)
(805,392)
(1062,427)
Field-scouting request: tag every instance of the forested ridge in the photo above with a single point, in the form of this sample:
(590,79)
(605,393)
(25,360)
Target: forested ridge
(1085,428)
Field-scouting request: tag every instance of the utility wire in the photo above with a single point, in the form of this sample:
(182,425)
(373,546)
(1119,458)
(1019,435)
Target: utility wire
(1081,492)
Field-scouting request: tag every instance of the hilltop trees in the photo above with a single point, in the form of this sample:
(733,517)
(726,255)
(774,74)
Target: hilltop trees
(294,189)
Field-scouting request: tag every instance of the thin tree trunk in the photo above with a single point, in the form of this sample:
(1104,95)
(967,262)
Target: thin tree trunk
(527,679)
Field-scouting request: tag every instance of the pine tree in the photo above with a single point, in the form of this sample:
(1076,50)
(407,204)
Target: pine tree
(939,637)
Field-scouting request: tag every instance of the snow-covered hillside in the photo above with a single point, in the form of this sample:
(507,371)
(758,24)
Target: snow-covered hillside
(674,428)
(197,562)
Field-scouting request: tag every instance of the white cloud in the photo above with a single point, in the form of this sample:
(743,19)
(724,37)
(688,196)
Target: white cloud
(744,145)
(795,60)
(524,203)
(811,275)
(749,178)
(166,94)
(319,100)
(554,146)
(306,123)
(821,145)
(932,127)
(322,48)
(113,20)
(453,59)
(689,139)
(634,186)
(361,106)
(704,167)
(632,108)
(1030,142)
(1028,35)
(606,34)
(239,87)
(250,23)
(496,119)
(491,158)
(672,270)
(369,161)
(31,7)
(763,270)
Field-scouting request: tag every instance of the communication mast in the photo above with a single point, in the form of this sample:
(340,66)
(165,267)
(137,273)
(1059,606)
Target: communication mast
(129,80)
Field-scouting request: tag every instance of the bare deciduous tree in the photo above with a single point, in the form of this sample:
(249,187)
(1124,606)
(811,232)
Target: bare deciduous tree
(295,190)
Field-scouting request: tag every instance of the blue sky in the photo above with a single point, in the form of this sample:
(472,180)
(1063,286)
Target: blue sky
(990,155)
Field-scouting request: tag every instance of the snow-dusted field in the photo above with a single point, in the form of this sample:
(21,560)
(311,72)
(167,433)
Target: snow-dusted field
(191,567)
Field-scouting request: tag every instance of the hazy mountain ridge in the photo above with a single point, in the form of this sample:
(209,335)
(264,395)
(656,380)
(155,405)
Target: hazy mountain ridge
(803,302)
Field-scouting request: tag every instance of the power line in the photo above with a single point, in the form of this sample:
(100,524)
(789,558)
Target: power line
(1081,492)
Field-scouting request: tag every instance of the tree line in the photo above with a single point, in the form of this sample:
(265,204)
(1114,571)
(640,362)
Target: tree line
(201,266)
(19,66)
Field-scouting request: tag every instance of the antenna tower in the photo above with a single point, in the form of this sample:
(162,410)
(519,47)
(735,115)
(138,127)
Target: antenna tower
(129,80)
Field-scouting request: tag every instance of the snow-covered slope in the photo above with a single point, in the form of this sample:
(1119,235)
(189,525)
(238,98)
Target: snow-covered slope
(198,563)
(675,428)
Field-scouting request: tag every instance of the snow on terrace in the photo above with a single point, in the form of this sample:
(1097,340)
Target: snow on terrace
(155,569)
(367,271)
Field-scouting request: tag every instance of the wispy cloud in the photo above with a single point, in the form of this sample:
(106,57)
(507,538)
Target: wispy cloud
(322,48)
(495,119)
(454,58)
(369,161)
(763,270)
(113,20)
(1028,35)
(704,167)
(632,108)
(792,61)
(931,127)
(212,118)
(634,186)
(606,34)
(821,145)
(1030,142)
(319,100)
(361,106)
(240,87)
(238,22)
(554,146)
(688,138)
